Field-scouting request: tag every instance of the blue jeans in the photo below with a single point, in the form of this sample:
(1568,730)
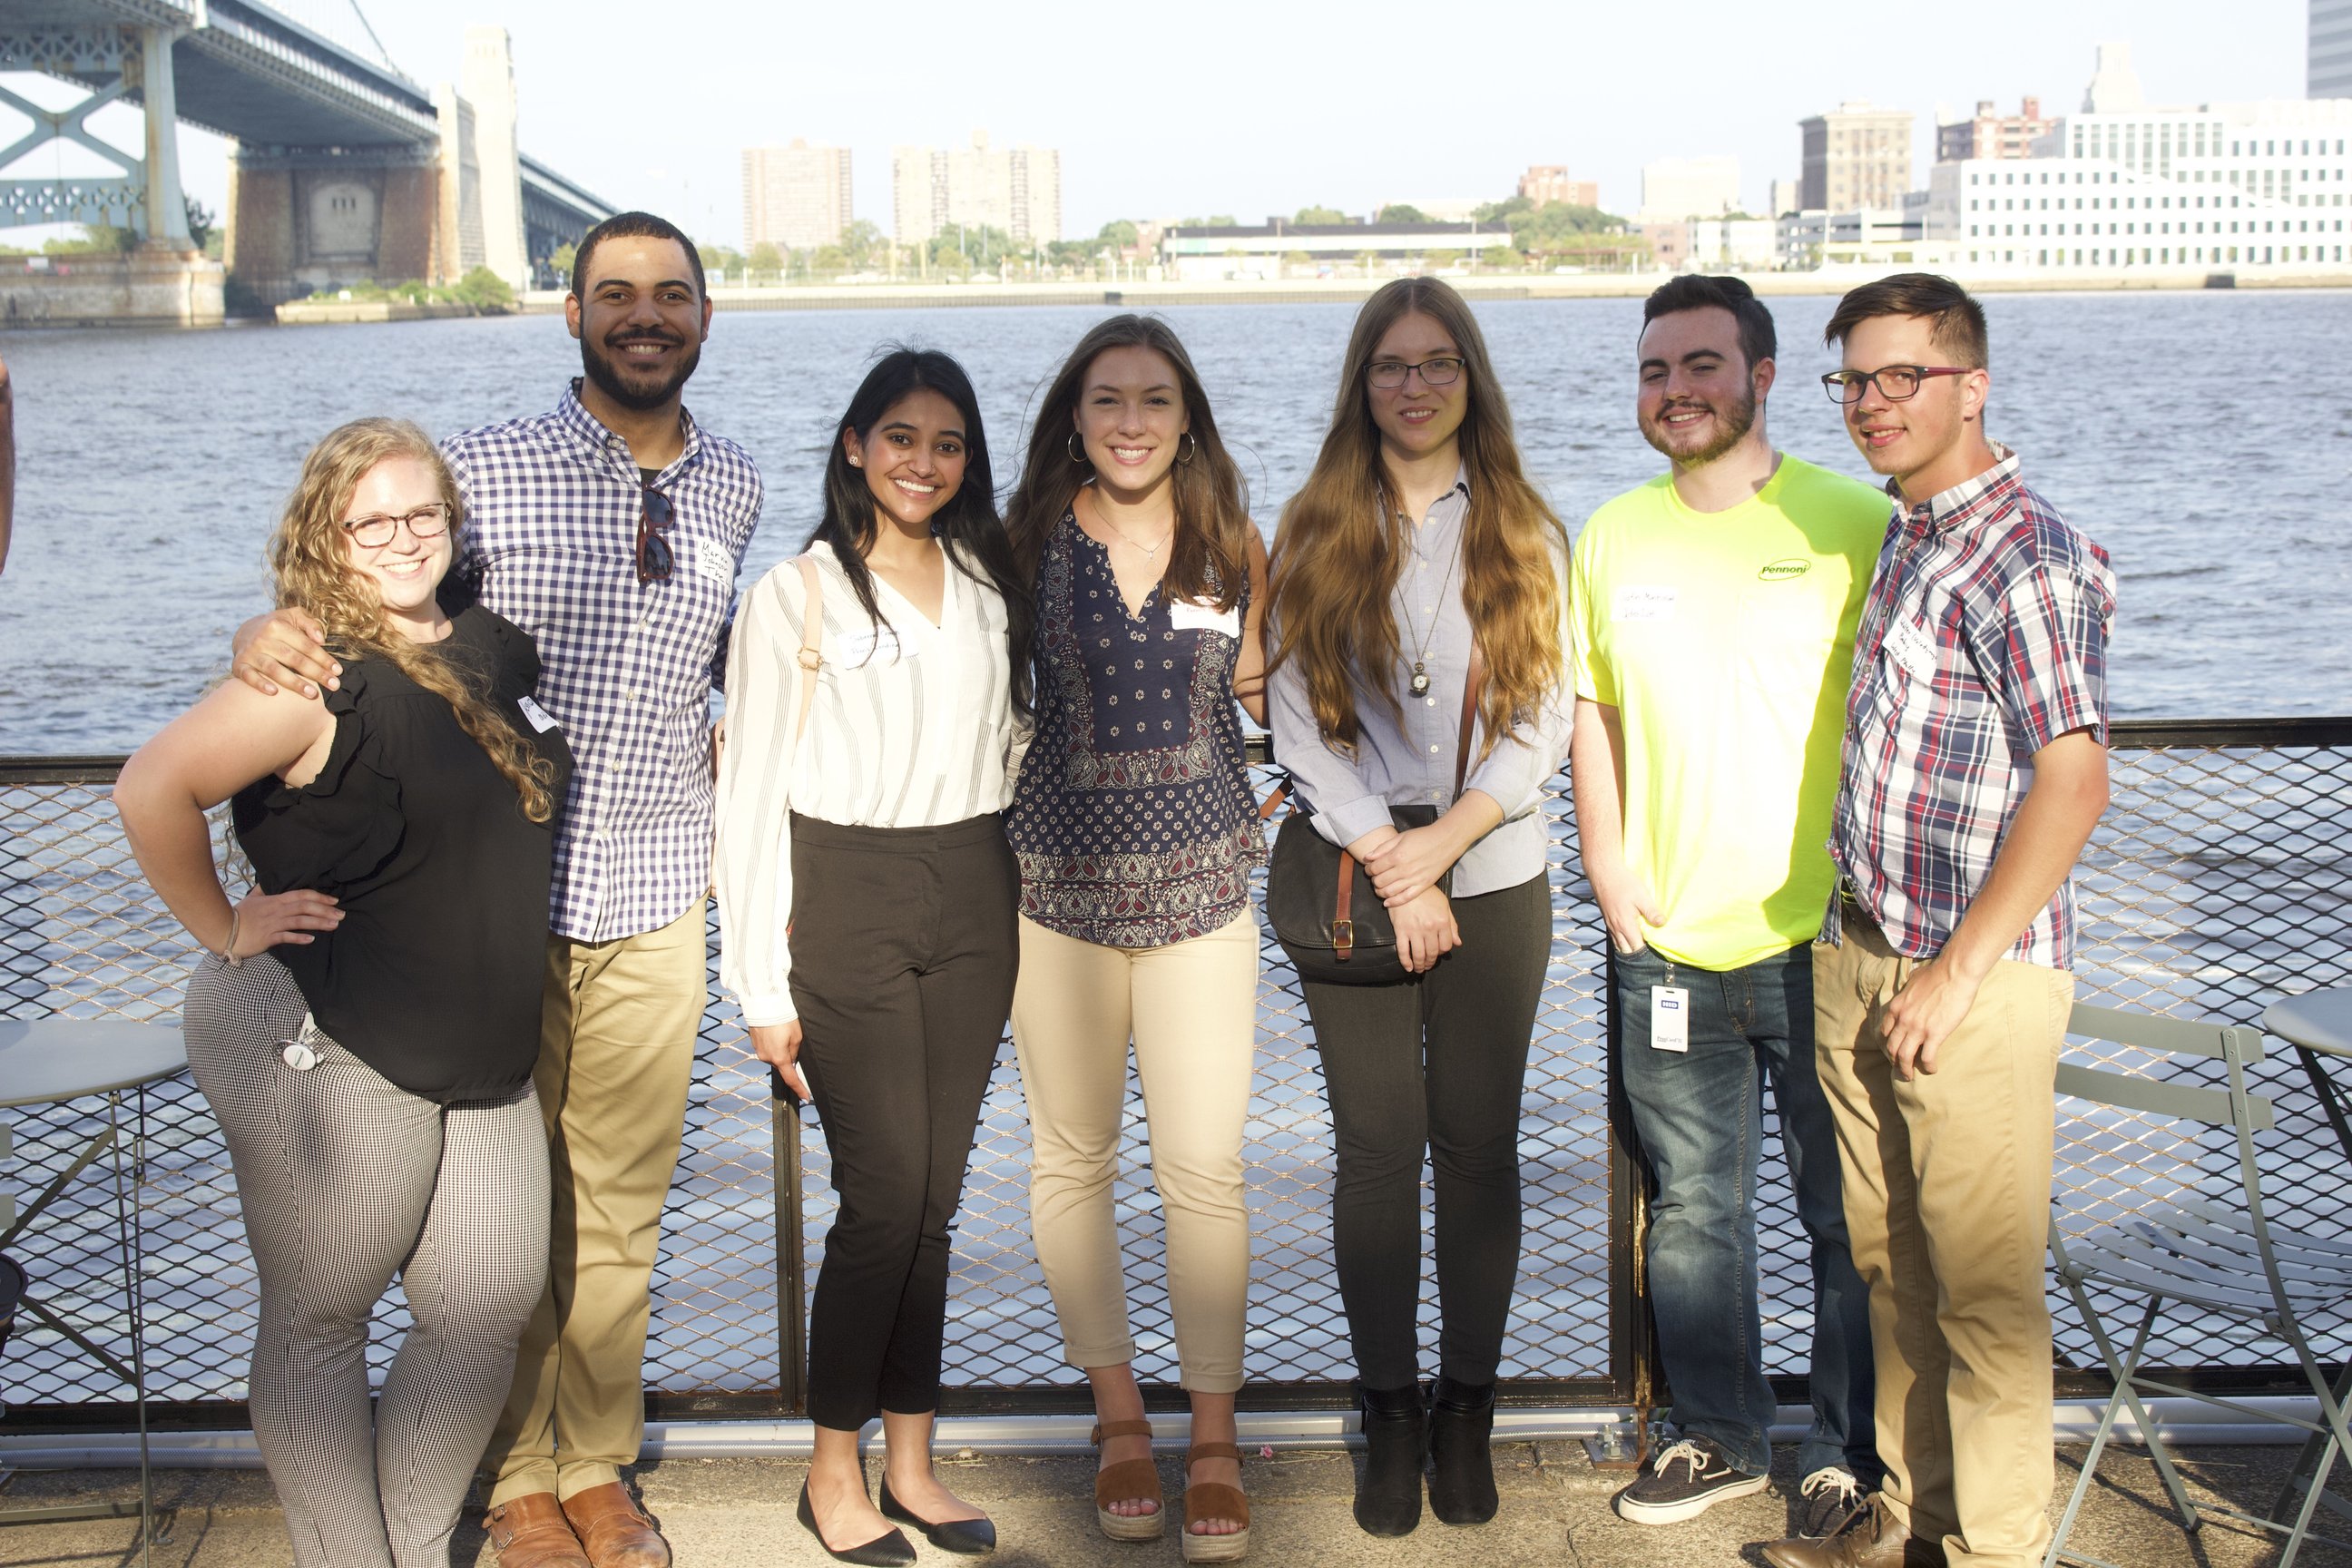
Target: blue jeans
(1699,1115)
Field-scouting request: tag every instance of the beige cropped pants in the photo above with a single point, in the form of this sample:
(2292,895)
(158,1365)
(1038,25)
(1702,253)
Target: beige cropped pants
(1190,1009)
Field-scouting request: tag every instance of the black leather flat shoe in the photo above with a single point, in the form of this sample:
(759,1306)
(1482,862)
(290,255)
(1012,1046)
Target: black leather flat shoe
(965,1537)
(890,1550)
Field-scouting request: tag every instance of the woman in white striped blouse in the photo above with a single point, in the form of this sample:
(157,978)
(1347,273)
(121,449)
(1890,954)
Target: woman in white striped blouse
(869,895)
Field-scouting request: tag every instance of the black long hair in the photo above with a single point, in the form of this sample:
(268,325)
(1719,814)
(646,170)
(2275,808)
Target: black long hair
(968,526)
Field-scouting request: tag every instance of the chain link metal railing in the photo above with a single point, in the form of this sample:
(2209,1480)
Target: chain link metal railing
(2219,881)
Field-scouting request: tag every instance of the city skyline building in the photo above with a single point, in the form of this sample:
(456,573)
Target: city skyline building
(2255,184)
(1545,183)
(1016,189)
(1989,135)
(1856,157)
(2328,61)
(795,197)
(1674,189)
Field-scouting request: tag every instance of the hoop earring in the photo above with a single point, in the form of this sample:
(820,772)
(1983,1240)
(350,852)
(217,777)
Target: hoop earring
(1077,452)
(1190,449)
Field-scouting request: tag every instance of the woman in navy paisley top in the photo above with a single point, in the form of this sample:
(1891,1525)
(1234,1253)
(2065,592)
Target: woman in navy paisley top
(1136,833)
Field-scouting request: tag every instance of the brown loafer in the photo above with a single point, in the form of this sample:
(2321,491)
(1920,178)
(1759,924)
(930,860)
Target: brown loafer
(531,1532)
(1873,1540)
(616,1531)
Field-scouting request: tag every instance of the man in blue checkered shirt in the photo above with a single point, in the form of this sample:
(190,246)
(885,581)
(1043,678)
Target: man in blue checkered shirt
(612,530)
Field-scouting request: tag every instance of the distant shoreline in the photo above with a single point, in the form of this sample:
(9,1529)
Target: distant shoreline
(1352,290)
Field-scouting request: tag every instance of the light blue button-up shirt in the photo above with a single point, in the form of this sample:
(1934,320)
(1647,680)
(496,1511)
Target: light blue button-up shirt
(1406,757)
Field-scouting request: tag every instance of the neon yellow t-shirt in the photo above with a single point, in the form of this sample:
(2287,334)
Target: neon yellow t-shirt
(1725,641)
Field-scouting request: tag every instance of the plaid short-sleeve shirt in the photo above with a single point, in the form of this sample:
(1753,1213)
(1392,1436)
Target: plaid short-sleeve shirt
(552,504)
(1985,638)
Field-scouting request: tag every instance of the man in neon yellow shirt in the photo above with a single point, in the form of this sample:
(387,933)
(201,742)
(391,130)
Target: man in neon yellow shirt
(1713,625)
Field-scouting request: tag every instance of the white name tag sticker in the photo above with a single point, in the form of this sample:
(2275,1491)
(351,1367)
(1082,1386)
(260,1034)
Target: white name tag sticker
(715,565)
(1190,618)
(866,646)
(1911,648)
(1669,1018)
(1636,602)
(542,721)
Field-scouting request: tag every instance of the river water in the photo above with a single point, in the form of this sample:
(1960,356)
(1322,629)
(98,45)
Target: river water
(2205,439)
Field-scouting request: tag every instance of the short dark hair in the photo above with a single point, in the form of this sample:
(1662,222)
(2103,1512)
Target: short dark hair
(1956,323)
(632,226)
(1706,292)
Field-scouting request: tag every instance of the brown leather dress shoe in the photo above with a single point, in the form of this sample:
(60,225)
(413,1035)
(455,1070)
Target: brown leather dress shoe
(1874,1540)
(616,1531)
(531,1532)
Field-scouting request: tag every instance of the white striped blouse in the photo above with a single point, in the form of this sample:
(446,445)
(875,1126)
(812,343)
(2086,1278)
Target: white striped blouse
(911,726)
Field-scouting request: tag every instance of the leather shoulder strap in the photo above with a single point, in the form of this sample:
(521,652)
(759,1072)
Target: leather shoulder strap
(1473,686)
(811,655)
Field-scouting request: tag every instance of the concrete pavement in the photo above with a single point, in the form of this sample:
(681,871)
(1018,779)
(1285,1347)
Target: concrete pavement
(733,1513)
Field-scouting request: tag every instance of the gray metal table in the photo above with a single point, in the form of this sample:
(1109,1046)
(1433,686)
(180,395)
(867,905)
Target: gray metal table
(2317,1024)
(50,1061)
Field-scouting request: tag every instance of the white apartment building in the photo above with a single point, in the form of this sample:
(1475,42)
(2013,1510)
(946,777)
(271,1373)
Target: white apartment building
(1674,189)
(1016,189)
(2236,185)
(797,197)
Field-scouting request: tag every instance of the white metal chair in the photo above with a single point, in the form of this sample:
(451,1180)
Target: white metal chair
(2223,1258)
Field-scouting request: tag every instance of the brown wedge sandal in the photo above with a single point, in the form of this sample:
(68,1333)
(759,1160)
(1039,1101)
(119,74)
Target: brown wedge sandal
(1128,1480)
(1214,1499)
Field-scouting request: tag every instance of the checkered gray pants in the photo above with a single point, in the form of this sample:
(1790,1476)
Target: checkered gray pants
(345,1181)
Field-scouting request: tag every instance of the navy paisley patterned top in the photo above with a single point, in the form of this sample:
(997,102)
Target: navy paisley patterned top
(1133,820)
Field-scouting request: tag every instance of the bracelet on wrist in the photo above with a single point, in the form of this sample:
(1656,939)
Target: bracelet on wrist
(228,948)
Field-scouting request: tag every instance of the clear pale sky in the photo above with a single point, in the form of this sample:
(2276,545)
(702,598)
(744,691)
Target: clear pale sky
(1253,107)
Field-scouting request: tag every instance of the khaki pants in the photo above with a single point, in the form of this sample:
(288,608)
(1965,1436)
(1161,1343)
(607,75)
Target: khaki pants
(1192,1010)
(615,1055)
(1947,1182)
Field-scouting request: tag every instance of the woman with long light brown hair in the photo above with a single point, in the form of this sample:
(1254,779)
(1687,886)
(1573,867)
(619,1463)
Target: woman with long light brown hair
(1136,833)
(1420,597)
(363,1027)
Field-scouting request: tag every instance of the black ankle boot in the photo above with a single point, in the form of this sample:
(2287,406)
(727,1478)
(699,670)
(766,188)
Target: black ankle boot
(1461,1426)
(1396,1444)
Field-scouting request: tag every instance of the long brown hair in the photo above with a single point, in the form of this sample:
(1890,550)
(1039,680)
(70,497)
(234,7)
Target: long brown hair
(310,558)
(1208,559)
(1342,542)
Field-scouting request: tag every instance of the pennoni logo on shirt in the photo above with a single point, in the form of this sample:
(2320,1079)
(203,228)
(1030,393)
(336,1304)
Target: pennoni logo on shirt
(1783,570)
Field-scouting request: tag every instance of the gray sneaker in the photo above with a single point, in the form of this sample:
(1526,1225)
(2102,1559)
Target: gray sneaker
(1684,1482)
(1827,1502)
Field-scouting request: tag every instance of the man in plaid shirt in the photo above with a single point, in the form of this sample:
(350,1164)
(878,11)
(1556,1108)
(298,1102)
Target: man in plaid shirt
(611,529)
(1975,768)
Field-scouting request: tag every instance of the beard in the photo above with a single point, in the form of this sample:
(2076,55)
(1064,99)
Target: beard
(635,388)
(1732,425)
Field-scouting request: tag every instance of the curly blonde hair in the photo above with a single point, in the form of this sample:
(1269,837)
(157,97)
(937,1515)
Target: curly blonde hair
(309,556)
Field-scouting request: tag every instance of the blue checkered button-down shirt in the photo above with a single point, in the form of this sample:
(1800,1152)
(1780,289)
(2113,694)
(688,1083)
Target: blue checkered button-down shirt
(551,509)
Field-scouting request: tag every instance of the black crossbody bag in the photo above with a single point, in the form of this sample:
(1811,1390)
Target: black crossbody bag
(1318,900)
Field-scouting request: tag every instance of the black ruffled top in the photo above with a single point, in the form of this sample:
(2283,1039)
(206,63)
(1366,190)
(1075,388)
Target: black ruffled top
(434,977)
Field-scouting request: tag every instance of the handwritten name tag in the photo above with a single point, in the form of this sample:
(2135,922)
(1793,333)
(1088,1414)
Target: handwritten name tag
(1910,647)
(711,563)
(542,721)
(1185,617)
(866,646)
(1636,602)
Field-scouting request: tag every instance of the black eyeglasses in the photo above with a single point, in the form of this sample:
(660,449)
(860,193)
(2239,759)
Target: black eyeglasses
(375,532)
(1388,374)
(655,560)
(1894,382)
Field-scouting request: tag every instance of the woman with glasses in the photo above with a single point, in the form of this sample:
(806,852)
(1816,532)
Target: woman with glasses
(876,690)
(1419,596)
(1136,833)
(363,1027)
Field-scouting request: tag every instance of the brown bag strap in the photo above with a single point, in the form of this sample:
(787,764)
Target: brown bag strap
(1473,685)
